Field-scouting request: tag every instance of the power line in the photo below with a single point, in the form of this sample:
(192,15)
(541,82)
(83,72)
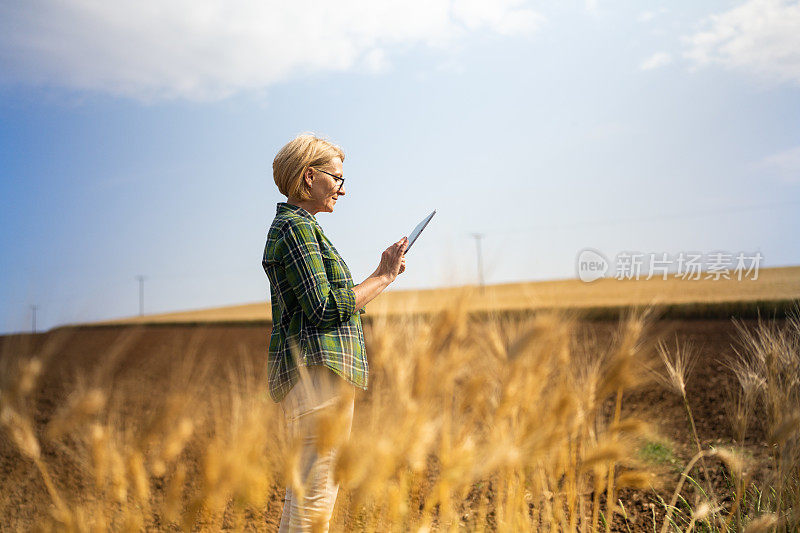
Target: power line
(619,220)
(477,236)
(663,216)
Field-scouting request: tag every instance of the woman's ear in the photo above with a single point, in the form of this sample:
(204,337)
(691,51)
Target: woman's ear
(309,178)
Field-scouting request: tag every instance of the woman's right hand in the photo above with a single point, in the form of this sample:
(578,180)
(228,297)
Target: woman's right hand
(392,260)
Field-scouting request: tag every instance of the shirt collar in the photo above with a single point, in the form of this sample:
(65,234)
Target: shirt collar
(287,207)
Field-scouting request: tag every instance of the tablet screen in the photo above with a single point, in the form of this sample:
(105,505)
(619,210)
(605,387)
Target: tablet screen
(418,230)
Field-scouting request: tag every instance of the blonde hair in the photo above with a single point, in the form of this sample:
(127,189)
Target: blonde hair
(293,160)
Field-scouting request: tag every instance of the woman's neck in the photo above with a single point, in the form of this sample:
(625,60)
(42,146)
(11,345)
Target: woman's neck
(308,206)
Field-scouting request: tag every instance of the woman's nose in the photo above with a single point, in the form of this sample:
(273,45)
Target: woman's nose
(341,190)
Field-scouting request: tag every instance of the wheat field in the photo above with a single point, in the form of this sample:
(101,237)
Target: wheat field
(489,424)
(773,284)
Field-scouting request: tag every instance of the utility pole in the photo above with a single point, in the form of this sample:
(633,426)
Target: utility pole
(33,317)
(141,294)
(478,237)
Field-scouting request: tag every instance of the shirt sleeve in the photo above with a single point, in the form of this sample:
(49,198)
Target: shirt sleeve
(325,306)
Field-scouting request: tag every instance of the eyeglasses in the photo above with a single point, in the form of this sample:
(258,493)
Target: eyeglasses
(340,179)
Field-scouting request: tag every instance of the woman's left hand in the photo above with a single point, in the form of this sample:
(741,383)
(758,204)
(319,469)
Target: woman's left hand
(402,265)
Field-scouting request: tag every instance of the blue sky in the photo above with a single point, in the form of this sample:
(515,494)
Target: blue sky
(138,138)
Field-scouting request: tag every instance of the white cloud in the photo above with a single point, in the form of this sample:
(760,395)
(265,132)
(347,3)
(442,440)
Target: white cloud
(647,16)
(786,164)
(659,59)
(209,49)
(376,60)
(760,37)
(503,17)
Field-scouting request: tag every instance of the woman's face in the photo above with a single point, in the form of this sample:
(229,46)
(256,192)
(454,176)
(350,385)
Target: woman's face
(324,188)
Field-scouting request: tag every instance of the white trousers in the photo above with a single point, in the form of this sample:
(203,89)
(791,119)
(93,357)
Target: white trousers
(318,394)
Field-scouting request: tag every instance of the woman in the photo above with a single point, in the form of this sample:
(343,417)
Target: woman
(316,351)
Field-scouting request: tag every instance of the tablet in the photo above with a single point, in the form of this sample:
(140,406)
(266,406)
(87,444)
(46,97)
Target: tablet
(418,230)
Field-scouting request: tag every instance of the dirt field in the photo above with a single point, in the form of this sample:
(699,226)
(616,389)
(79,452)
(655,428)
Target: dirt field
(82,351)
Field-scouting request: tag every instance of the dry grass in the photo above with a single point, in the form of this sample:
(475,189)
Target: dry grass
(768,368)
(494,425)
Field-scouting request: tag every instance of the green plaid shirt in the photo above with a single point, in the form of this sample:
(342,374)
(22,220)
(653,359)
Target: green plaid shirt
(314,315)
